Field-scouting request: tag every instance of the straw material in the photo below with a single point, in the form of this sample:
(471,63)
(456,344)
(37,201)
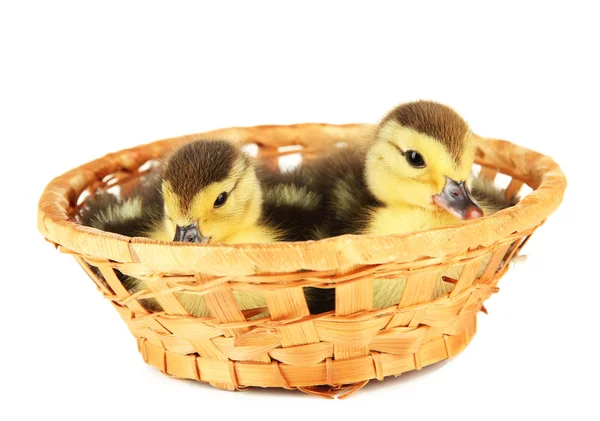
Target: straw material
(331,354)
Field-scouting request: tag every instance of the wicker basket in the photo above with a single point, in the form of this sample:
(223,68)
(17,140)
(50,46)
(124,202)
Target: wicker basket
(329,354)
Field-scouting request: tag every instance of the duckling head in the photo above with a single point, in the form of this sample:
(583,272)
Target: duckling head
(210,191)
(422,156)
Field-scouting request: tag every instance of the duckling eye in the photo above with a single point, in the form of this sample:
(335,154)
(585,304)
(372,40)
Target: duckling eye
(415,159)
(221,199)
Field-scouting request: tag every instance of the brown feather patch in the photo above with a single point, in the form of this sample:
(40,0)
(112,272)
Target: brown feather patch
(435,120)
(196,165)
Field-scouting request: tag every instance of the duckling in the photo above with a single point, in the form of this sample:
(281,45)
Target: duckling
(412,175)
(211,192)
(235,202)
(215,193)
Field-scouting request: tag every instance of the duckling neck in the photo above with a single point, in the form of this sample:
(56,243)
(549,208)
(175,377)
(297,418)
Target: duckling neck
(404,218)
(252,234)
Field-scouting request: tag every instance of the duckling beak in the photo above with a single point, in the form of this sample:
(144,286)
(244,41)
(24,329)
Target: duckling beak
(456,199)
(190,234)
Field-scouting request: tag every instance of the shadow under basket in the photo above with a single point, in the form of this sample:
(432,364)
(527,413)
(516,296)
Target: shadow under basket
(330,354)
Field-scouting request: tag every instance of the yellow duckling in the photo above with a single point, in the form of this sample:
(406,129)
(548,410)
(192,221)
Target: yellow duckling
(412,175)
(210,192)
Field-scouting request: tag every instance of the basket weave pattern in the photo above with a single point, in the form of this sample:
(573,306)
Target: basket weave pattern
(327,354)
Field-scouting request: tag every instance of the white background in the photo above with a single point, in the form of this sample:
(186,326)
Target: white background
(78,81)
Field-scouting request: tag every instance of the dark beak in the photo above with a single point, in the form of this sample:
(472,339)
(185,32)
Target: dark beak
(190,234)
(457,200)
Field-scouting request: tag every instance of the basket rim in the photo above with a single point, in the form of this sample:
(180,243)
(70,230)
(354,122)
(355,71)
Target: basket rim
(539,171)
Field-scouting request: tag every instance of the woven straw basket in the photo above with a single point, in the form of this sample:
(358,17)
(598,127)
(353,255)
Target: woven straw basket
(330,354)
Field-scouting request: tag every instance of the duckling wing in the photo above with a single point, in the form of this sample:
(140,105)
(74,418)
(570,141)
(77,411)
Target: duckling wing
(135,216)
(348,203)
(328,193)
(491,198)
(292,205)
